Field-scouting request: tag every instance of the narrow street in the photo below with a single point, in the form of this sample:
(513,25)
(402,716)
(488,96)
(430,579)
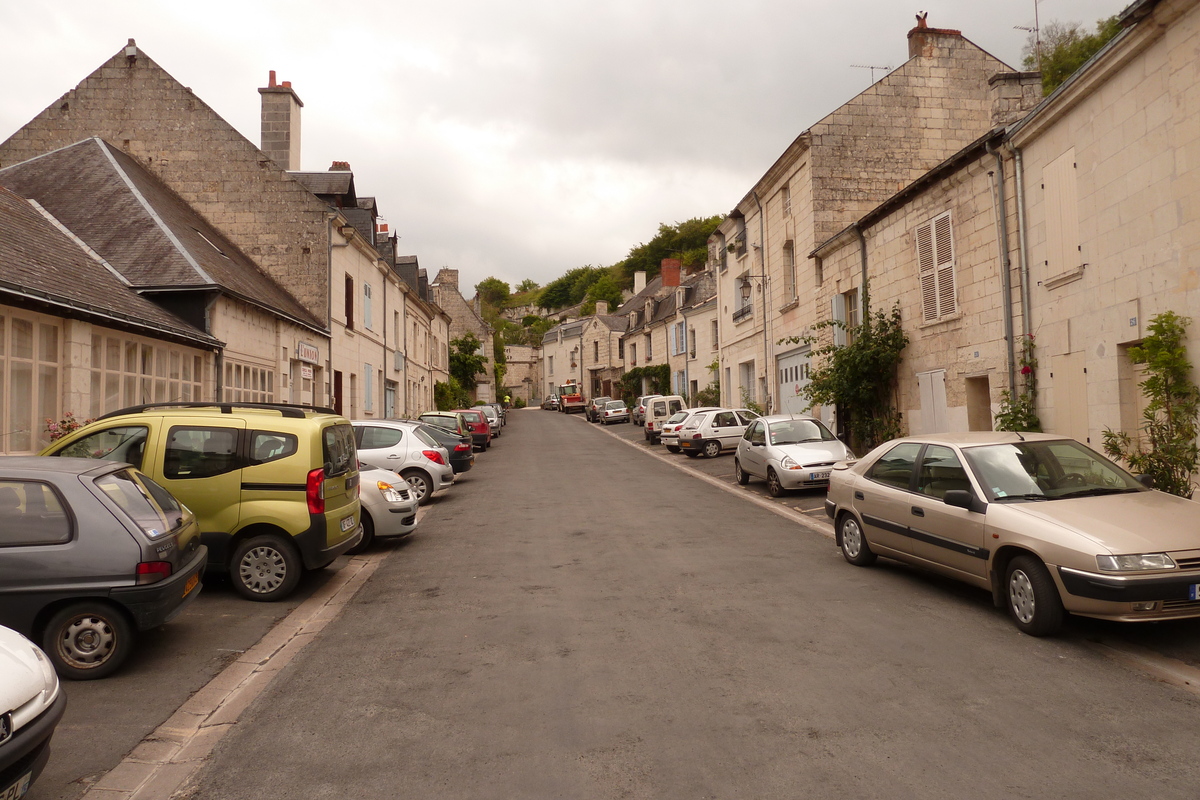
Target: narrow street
(590,622)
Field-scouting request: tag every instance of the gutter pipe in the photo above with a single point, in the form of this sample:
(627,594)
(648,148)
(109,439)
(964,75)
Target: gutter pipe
(762,243)
(1022,244)
(998,206)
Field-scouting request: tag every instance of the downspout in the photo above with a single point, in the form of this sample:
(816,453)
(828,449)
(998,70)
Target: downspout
(762,244)
(998,207)
(1022,244)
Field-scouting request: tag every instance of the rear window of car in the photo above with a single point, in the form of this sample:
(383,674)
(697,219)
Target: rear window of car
(677,418)
(472,416)
(33,514)
(696,421)
(425,438)
(337,447)
(133,497)
(377,437)
(616,405)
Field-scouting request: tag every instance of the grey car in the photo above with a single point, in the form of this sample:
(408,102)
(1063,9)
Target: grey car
(405,449)
(788,452)
(389,510)
(91,552)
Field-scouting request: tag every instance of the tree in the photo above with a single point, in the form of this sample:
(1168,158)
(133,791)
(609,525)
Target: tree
(605,289)
(1066,47)
(1172,410)
(493,291)
(687,241)
(528,285)
(467,360)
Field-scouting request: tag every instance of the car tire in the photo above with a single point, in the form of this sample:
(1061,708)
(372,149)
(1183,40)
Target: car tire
(420,484)
(368,526)
(88,640)
(1032,598)
(265,568)
(691,454)
(853,542)
(739,474)
(712,449)
(774,487)
(672,448)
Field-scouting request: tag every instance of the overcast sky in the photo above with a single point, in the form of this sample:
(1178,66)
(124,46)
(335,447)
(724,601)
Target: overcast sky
(517,139)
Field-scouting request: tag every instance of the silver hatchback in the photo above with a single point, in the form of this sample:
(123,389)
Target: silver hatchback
(403,448)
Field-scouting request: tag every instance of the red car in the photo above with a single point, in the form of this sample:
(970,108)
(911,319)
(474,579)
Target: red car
(481,432)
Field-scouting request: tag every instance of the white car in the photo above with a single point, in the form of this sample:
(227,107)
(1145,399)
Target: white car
(788,452)
(389,509)
(404,448)
(31,704)
(670,429)
(711,433)
(494,420)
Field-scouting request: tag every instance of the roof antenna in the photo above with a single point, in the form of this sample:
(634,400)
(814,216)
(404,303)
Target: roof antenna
(1019,436)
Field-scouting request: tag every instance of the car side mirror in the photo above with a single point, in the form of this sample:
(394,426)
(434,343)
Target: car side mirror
(1145,480)
(961,498)
(757,444)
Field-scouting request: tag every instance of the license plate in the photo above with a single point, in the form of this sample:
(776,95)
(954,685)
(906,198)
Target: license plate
(1194,591)
(819,476)
(18,789)
(191,584)
(685,444)
(347,523)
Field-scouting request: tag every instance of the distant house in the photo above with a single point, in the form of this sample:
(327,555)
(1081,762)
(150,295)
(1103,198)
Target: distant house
(465,319)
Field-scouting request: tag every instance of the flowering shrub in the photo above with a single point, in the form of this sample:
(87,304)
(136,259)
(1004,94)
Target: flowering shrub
(1018,412)
(64,427)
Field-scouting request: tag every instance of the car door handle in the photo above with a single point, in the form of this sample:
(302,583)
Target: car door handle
(859,496)
(393,455)
(918,512)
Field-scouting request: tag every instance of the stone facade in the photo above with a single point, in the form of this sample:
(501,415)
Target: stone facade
(465,319)
(524,376)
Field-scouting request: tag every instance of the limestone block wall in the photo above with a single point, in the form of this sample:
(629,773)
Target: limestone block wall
(137,106)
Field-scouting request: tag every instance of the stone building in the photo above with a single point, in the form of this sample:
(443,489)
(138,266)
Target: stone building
(561,346)
(523,378)
(929,108)
(466,319)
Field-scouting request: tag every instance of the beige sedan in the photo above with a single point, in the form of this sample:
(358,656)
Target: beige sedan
(1046,524)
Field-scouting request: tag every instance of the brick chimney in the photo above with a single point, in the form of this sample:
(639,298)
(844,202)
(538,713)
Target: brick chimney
(670,271)
(447,277)
(340,166)
(923,39)
(639,281)
(601,307)
(281,123)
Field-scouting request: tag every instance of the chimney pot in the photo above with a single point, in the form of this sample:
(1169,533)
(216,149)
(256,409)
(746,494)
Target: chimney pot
(271,80)
(287,84)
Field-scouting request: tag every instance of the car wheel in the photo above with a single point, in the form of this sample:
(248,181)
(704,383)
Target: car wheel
(420,484)
(368,526)
(1033,600)
(740,474)
(691,454)
(712,449)
(265,568)
(672,448)
(87,640)
(853,543)
(774,487)
(646,434)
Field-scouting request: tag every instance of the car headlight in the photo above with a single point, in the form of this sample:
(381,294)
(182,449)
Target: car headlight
(1135,562)
(788,463)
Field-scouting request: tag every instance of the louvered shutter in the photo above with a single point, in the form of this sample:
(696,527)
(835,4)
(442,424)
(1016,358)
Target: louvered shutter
(943,241)
(928,274)
(839,313)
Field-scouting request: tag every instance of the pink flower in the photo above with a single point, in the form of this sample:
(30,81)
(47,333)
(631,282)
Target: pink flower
(1026,370)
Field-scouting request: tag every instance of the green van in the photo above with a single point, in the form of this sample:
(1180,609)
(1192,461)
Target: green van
(273,486)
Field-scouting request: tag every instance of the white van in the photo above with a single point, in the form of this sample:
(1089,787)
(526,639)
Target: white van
(658,411)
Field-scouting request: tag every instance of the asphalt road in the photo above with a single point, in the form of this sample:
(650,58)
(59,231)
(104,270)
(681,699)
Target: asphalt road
(590,622)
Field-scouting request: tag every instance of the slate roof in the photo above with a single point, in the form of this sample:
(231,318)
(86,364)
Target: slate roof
(142,228)
(41,263)
(328,184)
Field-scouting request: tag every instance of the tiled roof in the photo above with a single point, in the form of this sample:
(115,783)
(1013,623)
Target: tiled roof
(142,228)
(325,184)
(41,263)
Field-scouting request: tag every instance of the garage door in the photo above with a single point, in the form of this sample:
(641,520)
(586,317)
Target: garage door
(793,376)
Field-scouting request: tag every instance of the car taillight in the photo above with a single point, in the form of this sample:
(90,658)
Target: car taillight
(152,571)
(314,491)
(696,436)
(458,448)
(433,455)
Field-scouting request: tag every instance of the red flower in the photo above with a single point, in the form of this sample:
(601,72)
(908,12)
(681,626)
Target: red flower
(1026,370)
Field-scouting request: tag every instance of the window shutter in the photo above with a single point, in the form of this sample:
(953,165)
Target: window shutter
(927,271)
(673,345)
(944,247)
(839,313)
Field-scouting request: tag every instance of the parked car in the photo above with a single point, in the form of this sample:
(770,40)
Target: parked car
(240,468)
(405,449)
(447,420)
(713,432)
(591,411)
(637,412)
(502,411)
(550,403)
(788,452)
(669,436)
(31,704)
(1046,524)
(459,447)
(389,509)
(91,552)
(614,411)
(659,409)
(493,419)
(481,431)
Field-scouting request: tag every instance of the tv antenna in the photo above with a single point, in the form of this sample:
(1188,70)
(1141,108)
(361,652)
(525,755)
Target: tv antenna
(872,68)
(1036,30)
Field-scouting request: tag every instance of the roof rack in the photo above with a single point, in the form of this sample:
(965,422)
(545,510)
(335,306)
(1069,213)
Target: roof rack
(290,410)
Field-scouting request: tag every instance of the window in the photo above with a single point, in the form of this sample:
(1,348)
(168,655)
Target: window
(29,392)
(724,419)
(377,438)
(349,302)
(786,197)
(549,365)
(125,443)
(155,512)
(633,353)
(170,375)
(940,472)
(649,348)
(678,338)
(367,321)
(845,310)
(33,514)
(935,256)
(716,334)
(756,433)
(596,352)
(789,271)
(852,313)
(896,466)
(248,384)
(691,343)
(197,452)
(268,446)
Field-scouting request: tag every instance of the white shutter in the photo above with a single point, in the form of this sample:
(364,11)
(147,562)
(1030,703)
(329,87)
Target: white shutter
(935,260)
(673,350)
(927,272)
(943,241)
(839,313)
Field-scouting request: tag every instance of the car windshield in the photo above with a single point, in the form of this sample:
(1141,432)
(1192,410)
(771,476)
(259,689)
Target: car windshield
(695,421)
(1032,471)
(799,431)
(615,405)
(677,418)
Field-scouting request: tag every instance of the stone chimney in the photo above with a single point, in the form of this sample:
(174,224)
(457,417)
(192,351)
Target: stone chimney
(923,39)
(639,281)
(670,271)
(281,123)
(447,277)
(601,307)
(1013,94)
